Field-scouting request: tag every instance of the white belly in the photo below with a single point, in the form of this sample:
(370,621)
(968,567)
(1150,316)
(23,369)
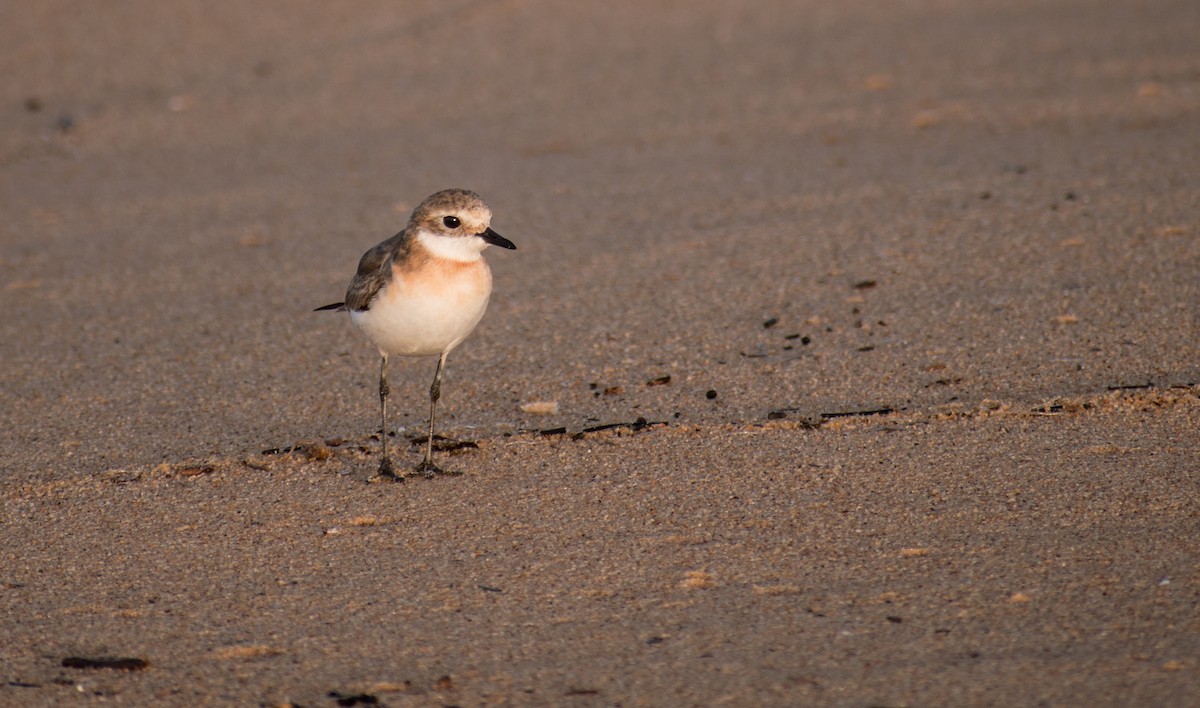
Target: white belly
(419,326)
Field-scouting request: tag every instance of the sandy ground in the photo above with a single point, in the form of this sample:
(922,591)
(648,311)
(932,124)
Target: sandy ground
(903,295)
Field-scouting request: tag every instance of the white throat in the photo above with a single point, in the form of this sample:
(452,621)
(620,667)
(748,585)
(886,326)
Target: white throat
(466,249)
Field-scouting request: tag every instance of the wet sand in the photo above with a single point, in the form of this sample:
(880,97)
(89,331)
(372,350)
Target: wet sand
(904,297)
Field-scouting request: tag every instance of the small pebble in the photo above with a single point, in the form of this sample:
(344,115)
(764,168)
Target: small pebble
(540,408)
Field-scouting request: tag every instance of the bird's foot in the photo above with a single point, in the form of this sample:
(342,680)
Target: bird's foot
(387,472)
(429,470)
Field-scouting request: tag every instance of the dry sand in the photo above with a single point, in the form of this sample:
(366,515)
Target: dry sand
(975,227)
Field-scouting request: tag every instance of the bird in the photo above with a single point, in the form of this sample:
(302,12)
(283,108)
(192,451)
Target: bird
(421,292)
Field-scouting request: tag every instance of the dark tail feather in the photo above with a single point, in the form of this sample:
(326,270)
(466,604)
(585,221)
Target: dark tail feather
(335,306)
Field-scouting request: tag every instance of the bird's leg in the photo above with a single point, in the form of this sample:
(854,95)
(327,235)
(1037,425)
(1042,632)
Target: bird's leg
(427,467)
(386,468)
(435,392)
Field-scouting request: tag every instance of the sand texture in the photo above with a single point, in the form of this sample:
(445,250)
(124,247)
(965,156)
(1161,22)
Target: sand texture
(850,354)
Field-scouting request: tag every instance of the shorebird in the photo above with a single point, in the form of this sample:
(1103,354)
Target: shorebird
(421,292)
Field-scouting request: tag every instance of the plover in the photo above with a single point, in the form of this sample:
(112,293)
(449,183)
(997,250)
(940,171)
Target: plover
(422,291)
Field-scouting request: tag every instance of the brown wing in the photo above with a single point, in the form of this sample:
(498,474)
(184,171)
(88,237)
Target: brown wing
(375,271)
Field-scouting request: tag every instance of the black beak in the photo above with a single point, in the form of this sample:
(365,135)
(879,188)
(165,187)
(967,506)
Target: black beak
(496,239)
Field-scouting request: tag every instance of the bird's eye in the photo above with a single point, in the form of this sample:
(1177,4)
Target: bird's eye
(451,222)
